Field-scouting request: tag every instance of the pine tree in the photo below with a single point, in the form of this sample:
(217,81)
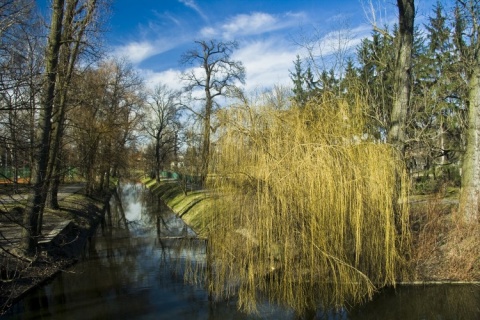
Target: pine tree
(299,83)
(376,62)
(438,91)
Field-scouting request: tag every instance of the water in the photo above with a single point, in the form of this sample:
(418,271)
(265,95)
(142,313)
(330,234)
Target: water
(135,270)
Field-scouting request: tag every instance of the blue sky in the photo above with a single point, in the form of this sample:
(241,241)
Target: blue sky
(152,34)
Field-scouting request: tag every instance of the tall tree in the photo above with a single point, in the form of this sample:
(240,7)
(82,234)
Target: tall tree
(68,24)
(215,73)
(162,123)
(40,183)
(403,74)
(79,16)
(467,39)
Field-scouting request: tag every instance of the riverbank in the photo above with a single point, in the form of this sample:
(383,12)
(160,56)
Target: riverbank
(444,248)
(79,216)
(192,206)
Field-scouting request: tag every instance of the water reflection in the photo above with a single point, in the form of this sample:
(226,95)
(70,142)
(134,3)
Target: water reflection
(423,302)
(134,269)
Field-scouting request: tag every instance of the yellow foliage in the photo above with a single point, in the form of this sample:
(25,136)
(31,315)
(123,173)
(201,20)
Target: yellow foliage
(311,211)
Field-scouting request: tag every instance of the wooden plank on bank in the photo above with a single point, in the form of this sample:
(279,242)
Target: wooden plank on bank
(57,229)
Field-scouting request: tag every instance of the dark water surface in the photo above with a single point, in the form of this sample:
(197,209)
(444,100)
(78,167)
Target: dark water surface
(134,269)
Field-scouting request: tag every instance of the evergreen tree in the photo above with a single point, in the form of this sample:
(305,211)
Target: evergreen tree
(436,94)
(311,84)
(299,83)
(376,64)
(328,83)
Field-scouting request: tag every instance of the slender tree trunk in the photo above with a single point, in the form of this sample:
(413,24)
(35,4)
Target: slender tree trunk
(52,197)
(106,185)
(58,118)
(15,144)
(53,192)
(206,123)
(403,76)
(90,160)
(31,130)
(470,194)
(157,156)
(33,214)
(54,165)
(206,140)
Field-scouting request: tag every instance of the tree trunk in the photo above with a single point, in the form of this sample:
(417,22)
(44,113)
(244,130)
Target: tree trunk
(33,214)
(56,178)
(89,163)
(53,192)
(470,194)
(402,86)
(55,143)
(206,140)
(157,156)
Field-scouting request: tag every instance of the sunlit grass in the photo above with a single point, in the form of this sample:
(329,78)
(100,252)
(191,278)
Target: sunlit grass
(195,207)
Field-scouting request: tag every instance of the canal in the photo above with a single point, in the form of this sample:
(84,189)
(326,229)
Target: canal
(134,269)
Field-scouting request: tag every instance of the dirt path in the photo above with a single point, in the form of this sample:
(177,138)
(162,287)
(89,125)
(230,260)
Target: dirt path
(7,196)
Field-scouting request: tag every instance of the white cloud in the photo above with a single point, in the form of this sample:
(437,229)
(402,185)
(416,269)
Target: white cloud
(170,77)
(136,51)
(343,39)
(266,62)
(170,17)
(193,5)
(252,24)
(257,22)
(208,32)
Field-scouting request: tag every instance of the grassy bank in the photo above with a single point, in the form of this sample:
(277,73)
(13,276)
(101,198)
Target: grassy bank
(194,207)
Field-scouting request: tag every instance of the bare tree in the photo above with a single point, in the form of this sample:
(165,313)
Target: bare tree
(40,185)
(162,123)
(13,14)
(215,73)
(66,14)
(78,20)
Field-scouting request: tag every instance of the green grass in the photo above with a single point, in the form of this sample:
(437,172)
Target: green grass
(193,207)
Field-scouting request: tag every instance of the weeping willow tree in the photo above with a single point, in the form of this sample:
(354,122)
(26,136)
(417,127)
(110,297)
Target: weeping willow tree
(308,211)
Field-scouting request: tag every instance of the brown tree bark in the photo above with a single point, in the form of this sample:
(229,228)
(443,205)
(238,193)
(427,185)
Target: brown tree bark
(470,194)
(467,20)
(40,184)
(403,75)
